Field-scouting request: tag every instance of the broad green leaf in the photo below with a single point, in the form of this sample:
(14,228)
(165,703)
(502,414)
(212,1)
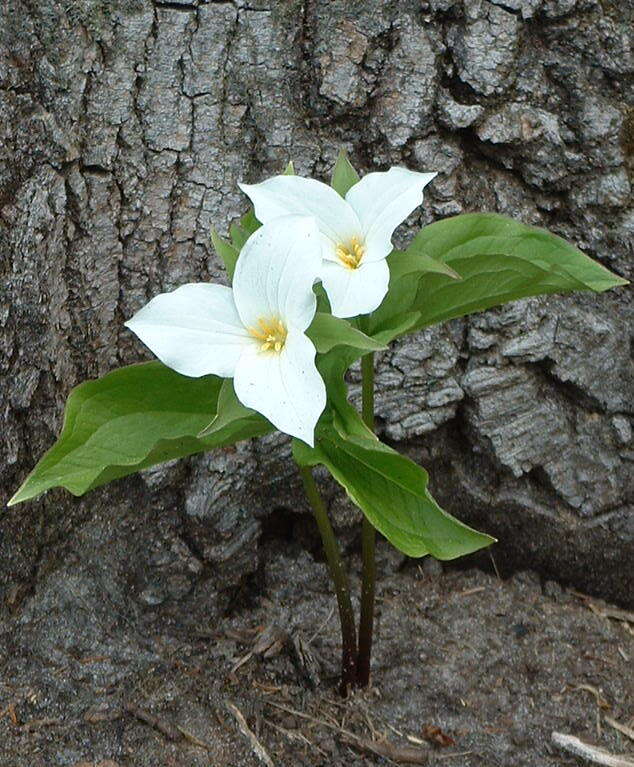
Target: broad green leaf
(323,304)
(392,492)
(130,419)
(249,222)
(388,488)
(239,235)
(462,237)
(290,169)
(230,413)
(226,252)
(327,331)
(416,262)
(241,231)
(394,316)
(339,412)
(498,260)
(344,175)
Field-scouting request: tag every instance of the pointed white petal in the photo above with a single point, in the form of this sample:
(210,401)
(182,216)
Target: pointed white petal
(276,270)
(382,201)
(355,291)
(284,387)
(282,195)
(194,330)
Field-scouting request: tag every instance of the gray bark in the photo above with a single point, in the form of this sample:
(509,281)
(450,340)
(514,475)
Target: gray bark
(125,127)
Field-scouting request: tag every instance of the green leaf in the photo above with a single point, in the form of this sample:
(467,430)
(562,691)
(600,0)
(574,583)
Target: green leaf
(323,304)
(239,236)
(290,169)
(241,231)
(249,223)
(389,489)
(327,331)
(226,252)
(475,234)
(392,492)
(339,412)
(498,260)
(394,317)
(415,261)
(230,412)
(130,419)
(344,175)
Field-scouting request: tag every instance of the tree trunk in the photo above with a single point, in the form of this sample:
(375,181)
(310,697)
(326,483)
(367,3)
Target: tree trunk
(125,128)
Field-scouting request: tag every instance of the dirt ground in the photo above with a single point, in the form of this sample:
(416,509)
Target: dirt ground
(468,670)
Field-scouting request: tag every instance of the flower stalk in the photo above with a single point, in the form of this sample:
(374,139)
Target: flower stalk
(368,539)
(340,580)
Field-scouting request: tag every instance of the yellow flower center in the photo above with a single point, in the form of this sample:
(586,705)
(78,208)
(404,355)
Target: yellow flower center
(351,254)
(271,333)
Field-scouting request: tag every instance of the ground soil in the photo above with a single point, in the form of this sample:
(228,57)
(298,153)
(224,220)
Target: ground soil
(488,667)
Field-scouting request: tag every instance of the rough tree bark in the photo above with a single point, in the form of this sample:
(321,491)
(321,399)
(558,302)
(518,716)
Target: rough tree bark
(125,127)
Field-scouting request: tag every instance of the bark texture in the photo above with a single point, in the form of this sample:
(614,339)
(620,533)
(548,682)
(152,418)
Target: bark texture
(125,127)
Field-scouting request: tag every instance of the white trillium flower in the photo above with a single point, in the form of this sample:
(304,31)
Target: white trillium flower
(253,333)
(356,232)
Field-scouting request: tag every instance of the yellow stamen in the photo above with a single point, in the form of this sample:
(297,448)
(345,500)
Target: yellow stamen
(351,254)
(271,332)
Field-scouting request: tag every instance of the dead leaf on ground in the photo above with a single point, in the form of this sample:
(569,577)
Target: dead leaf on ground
(10,712)
(270,642)
(434,734)
(106,763)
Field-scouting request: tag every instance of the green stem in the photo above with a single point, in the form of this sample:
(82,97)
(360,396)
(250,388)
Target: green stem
(368,536)
(340,579)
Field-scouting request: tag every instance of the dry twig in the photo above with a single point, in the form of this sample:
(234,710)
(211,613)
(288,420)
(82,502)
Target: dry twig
(595,754)
(321,627)
(598,696)
(257,748)
(605,611)
(192,738)
(453,755)
(470,592)
(612,612)
(106,763)
(164,727)
(295,736)
(383,748)
(387,750)
(36,724)
(98,714)
(622,728)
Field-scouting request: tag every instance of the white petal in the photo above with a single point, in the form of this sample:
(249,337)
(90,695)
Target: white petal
(382,201)
(276,270)
(284,387)
(282,195)
(194,330)
(355,291)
